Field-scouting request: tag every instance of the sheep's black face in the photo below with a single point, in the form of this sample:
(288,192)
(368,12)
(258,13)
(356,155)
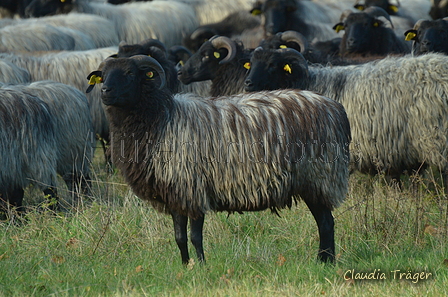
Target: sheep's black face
(432,36)
(359,31)
(40,8)
(271,70)
(202,65)
(276,15)
(123,81)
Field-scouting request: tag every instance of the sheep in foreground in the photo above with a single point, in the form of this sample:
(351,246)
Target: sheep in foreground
(396,106)
(190,155)
(27,148)
(168,21)
(69,67)
(74,132)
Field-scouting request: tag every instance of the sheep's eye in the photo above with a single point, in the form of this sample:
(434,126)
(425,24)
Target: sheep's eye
(150,74)
(376,24)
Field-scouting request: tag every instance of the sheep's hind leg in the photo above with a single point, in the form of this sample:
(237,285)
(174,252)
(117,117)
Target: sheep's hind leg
(325,223)
(180,233)
(196,226)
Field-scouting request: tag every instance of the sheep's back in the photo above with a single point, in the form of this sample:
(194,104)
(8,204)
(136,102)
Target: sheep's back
(252,152)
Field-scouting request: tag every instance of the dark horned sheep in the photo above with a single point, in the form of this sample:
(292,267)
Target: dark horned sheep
(381,99)
(369,33)
(218,60)
(188,155)
(429,36)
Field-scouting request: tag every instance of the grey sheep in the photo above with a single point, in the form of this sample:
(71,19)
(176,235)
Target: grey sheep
(188,155)
(74,132)
(396,106)
(168,21)
(12,74)
(28,150)
(69,67)
(96,30)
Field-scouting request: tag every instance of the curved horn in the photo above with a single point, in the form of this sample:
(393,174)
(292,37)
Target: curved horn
(227,43)
(177,49)
(378,12)
(202,30)
(143,60)
(418,23)
(290,52)
(344,15)
(153,42)
(294,36)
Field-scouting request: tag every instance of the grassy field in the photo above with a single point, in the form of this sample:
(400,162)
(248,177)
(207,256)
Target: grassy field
(116,245)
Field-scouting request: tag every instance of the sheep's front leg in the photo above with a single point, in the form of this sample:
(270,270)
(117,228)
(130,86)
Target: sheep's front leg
(196,226)
(180,233)
(325,223)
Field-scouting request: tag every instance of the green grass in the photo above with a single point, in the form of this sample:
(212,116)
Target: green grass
(117,245)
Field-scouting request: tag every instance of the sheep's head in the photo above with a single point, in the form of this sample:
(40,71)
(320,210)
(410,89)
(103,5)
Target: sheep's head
(123,79)
(390,8)
(276,14)
(429,36)
(362,29)
(287,39)
(194,41)
(439,9)
(40,8)
(276,69)
(204,64)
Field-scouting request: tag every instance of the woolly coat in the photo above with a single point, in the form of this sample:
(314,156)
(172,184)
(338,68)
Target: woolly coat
(241,153)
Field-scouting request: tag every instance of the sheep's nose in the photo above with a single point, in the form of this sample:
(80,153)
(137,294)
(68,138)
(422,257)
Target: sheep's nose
(105,89)
(248,85)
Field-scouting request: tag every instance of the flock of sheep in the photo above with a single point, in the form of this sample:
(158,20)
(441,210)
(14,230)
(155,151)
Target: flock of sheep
(234,106)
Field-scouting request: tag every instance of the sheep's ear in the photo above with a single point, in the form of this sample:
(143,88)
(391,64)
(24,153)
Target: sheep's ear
(410,35)
(359,7)
(393,8)
(338,27)
(94,78)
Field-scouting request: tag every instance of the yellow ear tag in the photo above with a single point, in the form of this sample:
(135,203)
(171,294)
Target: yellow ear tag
(394,8)
(217,55)
(95,80)
(339,28)
(62,1)
(283,46)
(360,7)
(150,74)
(376,24)
(287,68)
(256,12)
(247,65)
(410,36)
(181,63)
